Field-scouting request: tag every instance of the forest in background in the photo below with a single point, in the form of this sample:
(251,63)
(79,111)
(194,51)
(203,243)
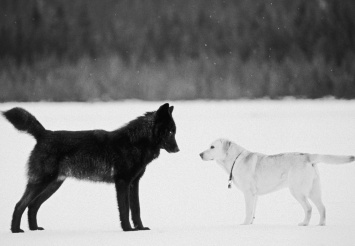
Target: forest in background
(105,50)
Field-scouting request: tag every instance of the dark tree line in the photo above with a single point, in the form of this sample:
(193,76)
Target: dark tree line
(254,48)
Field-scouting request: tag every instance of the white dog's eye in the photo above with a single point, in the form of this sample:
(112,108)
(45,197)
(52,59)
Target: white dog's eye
(212,147)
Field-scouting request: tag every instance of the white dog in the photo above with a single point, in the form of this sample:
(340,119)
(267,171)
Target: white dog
(258,174)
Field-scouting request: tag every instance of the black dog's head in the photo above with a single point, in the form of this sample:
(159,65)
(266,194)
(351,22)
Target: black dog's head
(165,128)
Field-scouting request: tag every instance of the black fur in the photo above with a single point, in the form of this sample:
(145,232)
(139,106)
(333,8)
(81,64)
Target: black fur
(118,157)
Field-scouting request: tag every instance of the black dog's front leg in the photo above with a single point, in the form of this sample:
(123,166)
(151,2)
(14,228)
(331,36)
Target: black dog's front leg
(123,190)
(135,207)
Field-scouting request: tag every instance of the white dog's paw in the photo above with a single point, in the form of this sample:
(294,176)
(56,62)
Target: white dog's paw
(246,223)
(321,224)
(303,224)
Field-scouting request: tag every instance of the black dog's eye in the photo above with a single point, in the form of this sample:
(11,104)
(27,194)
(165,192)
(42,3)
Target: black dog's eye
(171,133)
(212,147)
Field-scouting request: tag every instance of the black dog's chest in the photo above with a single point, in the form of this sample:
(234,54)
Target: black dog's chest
(150,156)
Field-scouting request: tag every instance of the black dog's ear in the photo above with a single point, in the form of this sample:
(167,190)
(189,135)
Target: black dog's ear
(171,109)
(163,110)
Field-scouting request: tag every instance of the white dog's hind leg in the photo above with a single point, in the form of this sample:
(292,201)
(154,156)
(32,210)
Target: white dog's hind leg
(301,178)
(302,199)
(316,197)
(250,202)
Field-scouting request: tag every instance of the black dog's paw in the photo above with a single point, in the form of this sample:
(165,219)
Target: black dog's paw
(17,230)
(129,229)
(37,229)
(143,228)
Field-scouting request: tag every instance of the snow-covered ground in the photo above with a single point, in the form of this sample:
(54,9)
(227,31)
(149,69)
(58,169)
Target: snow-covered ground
(184,200)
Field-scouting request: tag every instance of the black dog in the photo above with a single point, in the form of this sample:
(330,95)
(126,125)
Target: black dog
(118,157)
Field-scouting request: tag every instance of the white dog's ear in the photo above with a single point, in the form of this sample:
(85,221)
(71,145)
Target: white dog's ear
(226,146)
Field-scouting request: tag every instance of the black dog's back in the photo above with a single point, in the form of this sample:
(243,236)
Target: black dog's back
(119,157)
(77,154)
(60,154)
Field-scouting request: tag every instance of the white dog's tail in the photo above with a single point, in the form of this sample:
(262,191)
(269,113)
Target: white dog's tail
(331,159)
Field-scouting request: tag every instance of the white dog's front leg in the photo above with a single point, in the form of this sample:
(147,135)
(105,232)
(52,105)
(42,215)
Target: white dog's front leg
(254,208)
(250,203)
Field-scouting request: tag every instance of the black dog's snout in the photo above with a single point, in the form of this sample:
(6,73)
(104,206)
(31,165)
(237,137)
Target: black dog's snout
(201,155)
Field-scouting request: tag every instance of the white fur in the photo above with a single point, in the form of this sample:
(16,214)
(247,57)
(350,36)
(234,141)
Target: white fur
(257,174)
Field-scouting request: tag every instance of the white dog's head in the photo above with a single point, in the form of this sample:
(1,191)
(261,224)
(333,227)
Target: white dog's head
(218,150)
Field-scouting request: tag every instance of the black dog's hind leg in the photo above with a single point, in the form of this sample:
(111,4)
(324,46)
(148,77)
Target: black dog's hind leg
(31,192)
(135,207)
(36,203)
(122,190)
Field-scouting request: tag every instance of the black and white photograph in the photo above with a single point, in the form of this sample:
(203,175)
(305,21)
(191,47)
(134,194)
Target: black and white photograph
(177,122)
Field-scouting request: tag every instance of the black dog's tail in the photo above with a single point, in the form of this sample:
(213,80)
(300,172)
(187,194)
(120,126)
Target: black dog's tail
(24,121)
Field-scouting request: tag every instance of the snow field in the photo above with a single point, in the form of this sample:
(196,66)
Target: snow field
(184,200)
